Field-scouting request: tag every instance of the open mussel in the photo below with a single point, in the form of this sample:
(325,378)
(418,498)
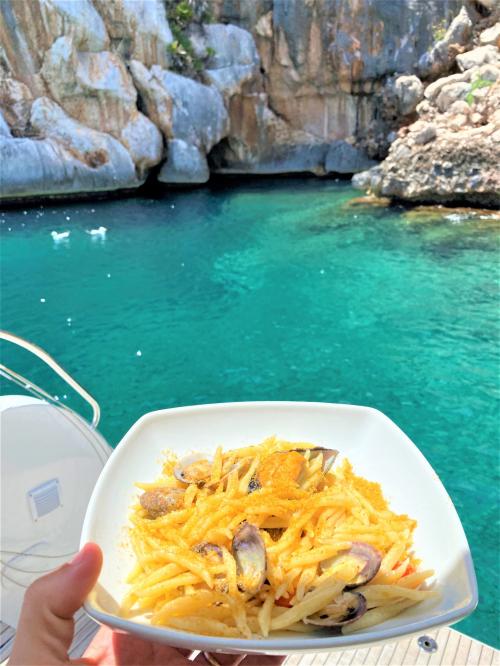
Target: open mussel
(349,607)
(195,468)
(367,556)
(249,552)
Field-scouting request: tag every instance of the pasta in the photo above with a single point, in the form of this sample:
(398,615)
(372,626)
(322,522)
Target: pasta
(267,538)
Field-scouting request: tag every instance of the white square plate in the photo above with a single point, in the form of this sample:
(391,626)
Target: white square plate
(378,450)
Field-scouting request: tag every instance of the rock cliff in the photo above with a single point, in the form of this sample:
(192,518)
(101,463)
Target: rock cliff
(450,153)
(98,95)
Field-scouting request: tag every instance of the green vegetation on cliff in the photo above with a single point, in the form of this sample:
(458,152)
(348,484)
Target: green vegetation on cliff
(181,15)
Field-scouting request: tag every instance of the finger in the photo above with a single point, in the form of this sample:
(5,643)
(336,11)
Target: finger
(45,628)
(113,648)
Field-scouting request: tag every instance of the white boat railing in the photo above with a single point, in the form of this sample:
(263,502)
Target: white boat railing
(58,369)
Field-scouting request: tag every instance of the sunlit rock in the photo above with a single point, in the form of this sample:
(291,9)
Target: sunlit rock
(408,91)
(186,111)
(70,159)
(15,103)
(483,55)
(232,58)
(94,88)
(143,141)
(491,36)
(441,57)
(139,27)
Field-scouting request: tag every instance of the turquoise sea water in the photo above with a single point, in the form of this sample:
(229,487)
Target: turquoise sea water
(276,290)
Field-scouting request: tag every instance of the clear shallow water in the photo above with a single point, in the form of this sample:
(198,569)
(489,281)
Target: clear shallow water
(276,290)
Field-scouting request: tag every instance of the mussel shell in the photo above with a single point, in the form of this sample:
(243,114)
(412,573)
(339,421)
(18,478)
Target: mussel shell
(249,552)
(192,470)
(368,555)
(348,608)
(329,456)
(373,561)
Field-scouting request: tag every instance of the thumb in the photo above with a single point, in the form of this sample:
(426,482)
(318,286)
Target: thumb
(46,626)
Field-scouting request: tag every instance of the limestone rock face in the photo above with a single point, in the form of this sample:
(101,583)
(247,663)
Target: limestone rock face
(483,55)
(28,30)
(491,36)
(143,141)
(80,20)
(186,164)
(319,86)
(324,65)
(4,128)
(139,28)
(235,60)
(94,88)
(369,180)
(408,90)
(70,159)
(450,172)
(186,111)
(450,154)
(344,158)
(441,57)
(181,107)
(15,103)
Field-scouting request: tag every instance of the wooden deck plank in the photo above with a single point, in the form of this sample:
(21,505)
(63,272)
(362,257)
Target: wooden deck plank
(449,653)
(308,660)
(373,655)
(486,656)
(360,655)
(463,649)
(319,659)
(423,657)
(441,638)
(346,657)
(400,653)
(474,654)
(386,655)
(414,651)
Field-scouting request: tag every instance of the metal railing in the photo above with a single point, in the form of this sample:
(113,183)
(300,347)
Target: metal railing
(58,369)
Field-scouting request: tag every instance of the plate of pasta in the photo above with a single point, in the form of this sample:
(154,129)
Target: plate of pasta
(275,527)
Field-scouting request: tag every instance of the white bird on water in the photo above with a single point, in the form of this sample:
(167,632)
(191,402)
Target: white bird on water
(60,235)
(100,232)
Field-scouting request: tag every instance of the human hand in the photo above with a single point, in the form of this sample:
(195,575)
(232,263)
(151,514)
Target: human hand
(46,626)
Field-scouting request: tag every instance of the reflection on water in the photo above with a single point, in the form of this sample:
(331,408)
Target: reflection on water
(276,290)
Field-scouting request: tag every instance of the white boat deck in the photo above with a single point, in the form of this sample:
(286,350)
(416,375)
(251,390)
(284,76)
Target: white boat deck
(453,649)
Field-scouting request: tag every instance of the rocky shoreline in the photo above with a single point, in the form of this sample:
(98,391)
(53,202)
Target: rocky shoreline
(450,153)
(98,97)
